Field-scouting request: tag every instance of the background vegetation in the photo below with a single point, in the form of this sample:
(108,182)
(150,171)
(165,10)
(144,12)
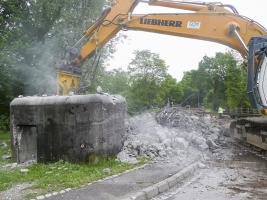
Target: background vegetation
(218,81)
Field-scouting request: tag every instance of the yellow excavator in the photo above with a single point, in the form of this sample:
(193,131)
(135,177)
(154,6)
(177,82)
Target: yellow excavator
(213,21)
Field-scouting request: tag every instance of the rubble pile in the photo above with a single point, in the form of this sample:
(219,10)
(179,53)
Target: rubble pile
(173,132)
(196,121)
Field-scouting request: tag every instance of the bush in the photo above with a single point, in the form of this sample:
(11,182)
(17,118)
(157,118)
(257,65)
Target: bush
(4,123)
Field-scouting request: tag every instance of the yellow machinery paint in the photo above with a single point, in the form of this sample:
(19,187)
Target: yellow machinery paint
(67,82)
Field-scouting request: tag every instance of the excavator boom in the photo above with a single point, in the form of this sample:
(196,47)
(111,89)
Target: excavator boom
(213,21)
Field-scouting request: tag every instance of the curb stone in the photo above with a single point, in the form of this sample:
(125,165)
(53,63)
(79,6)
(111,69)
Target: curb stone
(151,191)
(165,185)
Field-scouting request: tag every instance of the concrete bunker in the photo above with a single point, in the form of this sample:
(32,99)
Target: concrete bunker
(72,128)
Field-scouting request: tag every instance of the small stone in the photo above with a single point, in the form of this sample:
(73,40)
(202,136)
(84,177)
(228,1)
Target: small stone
(6,157)
(3,144)
(11,165)
(24,170)
(201,166)
(107,171)
(62,192)
(125,158)
(211,144)
(48,195)
(40,197)
(55,193)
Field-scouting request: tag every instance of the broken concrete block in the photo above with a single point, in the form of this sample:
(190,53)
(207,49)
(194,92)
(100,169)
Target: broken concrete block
(3,145)
(107,170)
(125,158)
(24,170)
(6,157)
(73,128)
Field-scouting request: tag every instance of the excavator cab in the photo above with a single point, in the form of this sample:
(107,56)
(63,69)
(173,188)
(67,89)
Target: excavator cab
(257,73)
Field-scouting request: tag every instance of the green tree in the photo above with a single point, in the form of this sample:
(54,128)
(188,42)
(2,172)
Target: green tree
(171,90)
(116,82)
(236,88)
(189,88)
(147,73)
(218,81)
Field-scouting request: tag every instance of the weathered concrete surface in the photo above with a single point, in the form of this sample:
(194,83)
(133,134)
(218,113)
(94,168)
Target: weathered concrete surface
(74,128)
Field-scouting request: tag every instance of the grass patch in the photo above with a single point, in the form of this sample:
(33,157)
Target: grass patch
(60,175)
(5,142)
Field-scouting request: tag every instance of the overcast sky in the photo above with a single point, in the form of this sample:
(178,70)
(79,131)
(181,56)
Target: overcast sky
(180,54)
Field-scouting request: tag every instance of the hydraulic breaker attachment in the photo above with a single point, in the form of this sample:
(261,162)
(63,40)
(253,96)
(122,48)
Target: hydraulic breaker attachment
(68,80)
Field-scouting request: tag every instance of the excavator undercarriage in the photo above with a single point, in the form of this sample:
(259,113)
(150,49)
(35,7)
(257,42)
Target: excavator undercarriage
(251,130)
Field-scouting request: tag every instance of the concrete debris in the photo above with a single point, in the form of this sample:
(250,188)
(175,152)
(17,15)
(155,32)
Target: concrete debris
(24,170)
(3,145)
(107,171)
(124,157)
(6,157)
(21,165)
(173,132)
(10,166)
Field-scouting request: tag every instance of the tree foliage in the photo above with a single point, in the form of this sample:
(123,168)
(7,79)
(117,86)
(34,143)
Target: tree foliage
(35,36)
(147,73)
(219,81)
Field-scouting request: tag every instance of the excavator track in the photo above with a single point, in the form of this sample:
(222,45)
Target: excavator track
(251,130)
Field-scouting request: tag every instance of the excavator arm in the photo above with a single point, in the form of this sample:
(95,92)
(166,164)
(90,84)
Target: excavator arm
(214,22)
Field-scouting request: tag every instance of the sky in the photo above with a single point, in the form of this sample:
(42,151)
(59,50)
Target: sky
(180,54)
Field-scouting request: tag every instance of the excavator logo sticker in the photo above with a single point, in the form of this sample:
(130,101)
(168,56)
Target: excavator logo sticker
(193,25)
(160,22)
